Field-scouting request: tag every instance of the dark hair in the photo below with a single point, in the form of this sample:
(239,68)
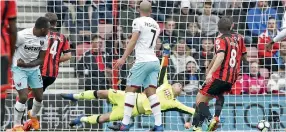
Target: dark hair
(42,22)
(224,24)
(95,36)
(208,3)
(271,18)
(53,18)
(205,38)
(169,19)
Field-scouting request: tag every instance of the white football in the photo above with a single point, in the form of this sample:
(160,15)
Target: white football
(263,126)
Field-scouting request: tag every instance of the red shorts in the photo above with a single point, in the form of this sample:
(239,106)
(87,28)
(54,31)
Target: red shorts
(215,88)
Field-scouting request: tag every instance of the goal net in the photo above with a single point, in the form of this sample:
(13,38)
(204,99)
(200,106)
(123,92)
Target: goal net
(190,28)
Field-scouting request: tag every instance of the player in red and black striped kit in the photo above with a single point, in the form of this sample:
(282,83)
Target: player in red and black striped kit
(58,45)
(8,28)
(221,73)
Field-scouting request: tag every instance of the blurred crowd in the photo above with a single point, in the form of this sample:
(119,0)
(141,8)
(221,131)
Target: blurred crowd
(99,31)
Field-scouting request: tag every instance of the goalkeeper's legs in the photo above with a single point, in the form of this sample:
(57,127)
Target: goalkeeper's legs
(87,95)
(93,119)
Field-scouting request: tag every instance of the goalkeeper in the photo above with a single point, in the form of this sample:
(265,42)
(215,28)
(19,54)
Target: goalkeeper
(167,94)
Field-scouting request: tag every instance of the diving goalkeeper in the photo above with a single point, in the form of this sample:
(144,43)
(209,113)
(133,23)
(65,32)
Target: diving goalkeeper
(167,94)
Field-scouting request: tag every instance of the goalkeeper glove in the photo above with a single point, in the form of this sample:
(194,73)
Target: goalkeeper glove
(166,50)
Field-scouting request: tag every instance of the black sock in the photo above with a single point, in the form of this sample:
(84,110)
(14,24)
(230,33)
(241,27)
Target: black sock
(95,94)
(196,118)
(218,105)
(205,111)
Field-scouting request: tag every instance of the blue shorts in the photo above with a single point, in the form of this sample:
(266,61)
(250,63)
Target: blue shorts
(24,77)
(144,74)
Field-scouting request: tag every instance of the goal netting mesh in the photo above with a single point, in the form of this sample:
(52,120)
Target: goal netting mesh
(190,27)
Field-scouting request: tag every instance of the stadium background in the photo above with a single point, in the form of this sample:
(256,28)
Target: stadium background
(252,98)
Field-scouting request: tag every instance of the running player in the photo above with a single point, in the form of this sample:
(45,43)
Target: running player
(31,48)
(221,74)
(146,68)
(7,47)
(220,98)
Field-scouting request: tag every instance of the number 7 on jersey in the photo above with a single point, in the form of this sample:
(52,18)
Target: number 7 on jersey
(154,33)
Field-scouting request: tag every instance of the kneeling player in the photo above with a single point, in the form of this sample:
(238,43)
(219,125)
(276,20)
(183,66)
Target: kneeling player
(166,93)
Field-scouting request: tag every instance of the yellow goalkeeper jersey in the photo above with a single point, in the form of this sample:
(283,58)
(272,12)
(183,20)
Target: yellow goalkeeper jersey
(167,101)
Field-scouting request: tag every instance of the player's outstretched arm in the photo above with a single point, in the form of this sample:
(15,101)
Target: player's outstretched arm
(178,106)
(66,57)
(87,95)
(130,47)
(66,51)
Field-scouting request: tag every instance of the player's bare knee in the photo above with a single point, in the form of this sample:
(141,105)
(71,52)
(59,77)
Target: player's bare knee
(39,99)
(131,89)
(102,119)
(150,91)
(102,94)
(23,98)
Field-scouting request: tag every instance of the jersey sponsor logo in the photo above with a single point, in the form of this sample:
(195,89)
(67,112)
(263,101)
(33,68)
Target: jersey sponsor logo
(19,84)
(41,42)
(167,94)
(32,48)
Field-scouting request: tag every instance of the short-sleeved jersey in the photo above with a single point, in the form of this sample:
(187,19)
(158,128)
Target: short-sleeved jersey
(29,46)
(8,11)
(57,44)
(233,47)
(145,46)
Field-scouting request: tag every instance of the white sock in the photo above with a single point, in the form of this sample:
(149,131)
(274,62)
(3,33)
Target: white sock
(36,108)
(156,109)
(18,113)
(128,107)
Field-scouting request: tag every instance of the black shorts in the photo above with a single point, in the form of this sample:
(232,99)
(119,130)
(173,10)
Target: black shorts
(215,88)
(47,81)
(4,71)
